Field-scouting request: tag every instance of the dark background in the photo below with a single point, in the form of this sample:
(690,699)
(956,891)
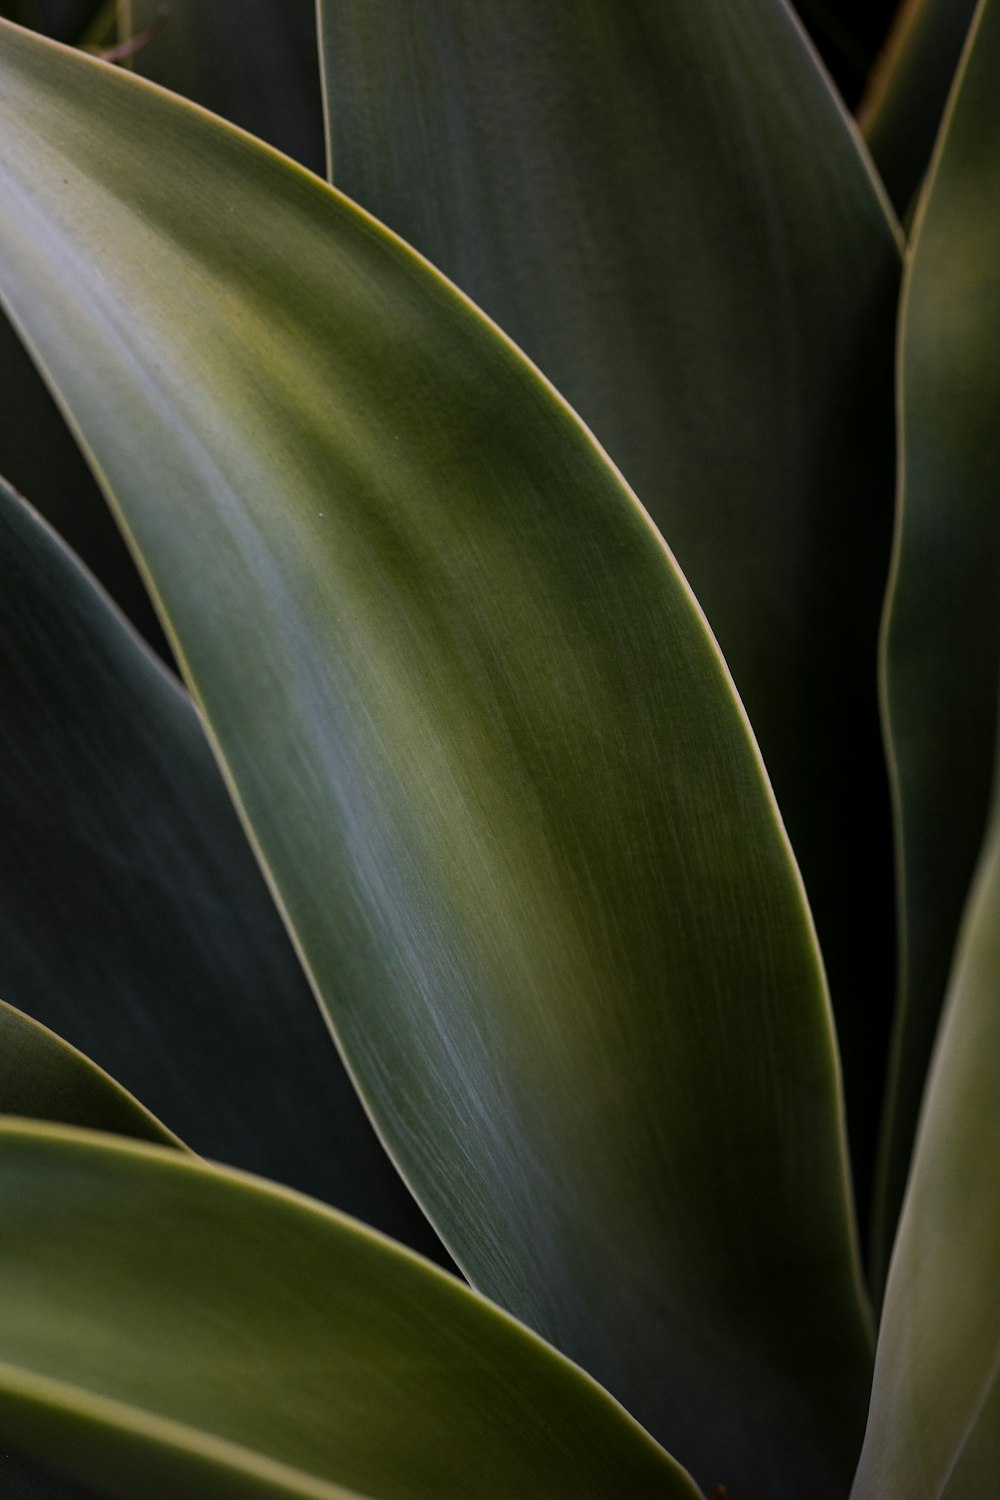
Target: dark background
(849,37)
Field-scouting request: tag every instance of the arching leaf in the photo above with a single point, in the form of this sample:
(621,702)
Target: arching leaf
(172,1329)
(133,920)
(490,755)
(665,205)
(44,1078)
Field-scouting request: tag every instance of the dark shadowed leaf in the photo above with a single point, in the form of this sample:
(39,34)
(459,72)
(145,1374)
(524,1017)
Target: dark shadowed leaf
(133,919)
(666,207)
(256,63)
(941,658)
(906,95)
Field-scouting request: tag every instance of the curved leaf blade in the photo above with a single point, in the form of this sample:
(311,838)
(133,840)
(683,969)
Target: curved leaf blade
(489,753)
(666,207)
(906,94)
(44,1078)
(940,656)
(133,1290)
(256,64)
(934,1427)
(133,920)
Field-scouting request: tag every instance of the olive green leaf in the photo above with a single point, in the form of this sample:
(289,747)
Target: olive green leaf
(358,1363)
(37,453)
(667,209)
(488,751)
(906,94)
(133,920)
(40,458)
(44,1078)
(934,1428)
(941,655)
(256,63)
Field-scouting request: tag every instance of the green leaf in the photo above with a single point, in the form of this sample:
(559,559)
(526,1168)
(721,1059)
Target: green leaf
(490,755)
(136,1283)
(941,656)
(934,1428)
(905,98)
(709,276)
(44,1078)
(40,458)
(133,919)
(256,64)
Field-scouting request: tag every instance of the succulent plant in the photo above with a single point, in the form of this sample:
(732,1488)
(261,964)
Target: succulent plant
(479,859)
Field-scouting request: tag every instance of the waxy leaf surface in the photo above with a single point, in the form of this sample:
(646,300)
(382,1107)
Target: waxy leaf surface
(489,753)
(172,1329)
(133,920)
(44,1078)
(665,206)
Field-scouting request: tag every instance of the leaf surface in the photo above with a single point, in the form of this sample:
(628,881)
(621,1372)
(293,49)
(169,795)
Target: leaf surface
(44,1078)
(163,1323)
(665,206)
(934,1427)
(906,94)
(489,752)
(941,659)
(133,919)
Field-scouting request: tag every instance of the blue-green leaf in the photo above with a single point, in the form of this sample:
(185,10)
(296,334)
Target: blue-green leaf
(666,206)
(489,752)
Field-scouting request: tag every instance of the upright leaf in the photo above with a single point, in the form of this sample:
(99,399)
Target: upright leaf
(941,653)
(490,755)
(44,1078)
(905,98)
(665,206)
(136,1284)
(256,64)
(934,1428)
(133,920)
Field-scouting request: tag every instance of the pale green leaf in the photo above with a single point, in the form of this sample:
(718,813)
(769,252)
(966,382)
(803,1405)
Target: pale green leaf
(941,655)
(934,1428)
(665,205)
(133,920)
(489,753)
(166,1321)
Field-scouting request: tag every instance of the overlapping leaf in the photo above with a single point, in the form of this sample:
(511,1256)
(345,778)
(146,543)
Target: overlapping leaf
(44,1078)
(133,920)
(490,755)
(265,1347)
(256,64)
(666,207)
(941,657)
(934,1428)
(906,95)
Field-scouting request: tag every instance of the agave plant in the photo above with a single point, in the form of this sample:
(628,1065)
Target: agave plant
(628,1063)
